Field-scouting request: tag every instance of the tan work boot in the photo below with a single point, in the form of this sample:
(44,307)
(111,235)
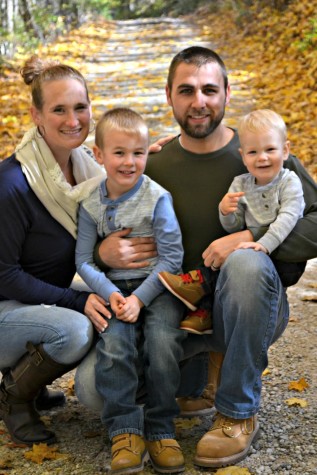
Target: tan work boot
(227,442)
(166,455)
(204,405)
(198,322)
(128,454)
(186,287)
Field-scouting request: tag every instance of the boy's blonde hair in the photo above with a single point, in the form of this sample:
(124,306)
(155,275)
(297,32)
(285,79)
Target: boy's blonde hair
(262,120)
(123,120)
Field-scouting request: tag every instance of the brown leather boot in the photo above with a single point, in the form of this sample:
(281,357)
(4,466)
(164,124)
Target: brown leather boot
(48,398)
(166,456)
(19,388)
(204,405)
(128,454)
(227,442)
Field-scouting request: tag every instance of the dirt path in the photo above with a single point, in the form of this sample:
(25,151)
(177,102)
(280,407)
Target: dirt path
(130,69)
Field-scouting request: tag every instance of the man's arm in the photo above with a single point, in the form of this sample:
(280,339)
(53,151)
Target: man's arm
(301,244)
(119,252)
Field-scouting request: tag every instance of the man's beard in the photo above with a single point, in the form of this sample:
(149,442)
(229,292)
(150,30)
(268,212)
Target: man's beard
(200,131)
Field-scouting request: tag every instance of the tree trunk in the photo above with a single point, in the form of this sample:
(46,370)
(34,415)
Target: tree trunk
(28,20)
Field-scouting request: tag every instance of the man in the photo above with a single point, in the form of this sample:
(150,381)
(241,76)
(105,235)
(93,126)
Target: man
(250,308)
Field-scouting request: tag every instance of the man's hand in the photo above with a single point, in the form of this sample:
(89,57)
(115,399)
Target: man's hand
(119,252)
(217,252)
(157,146)
(229,203)
(94,309)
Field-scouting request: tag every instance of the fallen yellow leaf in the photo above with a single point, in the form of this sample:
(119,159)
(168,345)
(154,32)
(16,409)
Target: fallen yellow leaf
(266,371)
(295,401)
(71,387)
(40,452)
(233,471)
(299,385)
(187,423)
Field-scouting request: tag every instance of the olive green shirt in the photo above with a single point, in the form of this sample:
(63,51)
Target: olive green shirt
(198,182)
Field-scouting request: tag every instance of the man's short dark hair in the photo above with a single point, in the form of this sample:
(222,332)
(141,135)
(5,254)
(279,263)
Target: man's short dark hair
(199,56)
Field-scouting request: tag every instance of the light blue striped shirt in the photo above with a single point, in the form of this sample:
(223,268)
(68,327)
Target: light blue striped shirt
(148,209)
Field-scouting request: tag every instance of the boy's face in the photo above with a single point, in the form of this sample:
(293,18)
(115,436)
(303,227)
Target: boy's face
(263,154)
(124,158)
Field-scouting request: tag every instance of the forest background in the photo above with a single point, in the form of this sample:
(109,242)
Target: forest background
(273,44)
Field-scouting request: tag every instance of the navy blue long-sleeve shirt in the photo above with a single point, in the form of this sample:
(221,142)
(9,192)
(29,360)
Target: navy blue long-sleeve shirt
(37,255)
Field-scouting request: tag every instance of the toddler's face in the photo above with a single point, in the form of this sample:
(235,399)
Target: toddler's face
(263,154)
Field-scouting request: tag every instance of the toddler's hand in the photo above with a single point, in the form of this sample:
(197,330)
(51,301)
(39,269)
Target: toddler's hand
(229,203)
(252,245)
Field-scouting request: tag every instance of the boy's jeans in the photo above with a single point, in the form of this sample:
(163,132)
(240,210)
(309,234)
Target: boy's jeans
(154,342)
(250,312)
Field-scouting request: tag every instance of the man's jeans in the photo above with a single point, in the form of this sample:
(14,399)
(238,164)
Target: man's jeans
(154,342)
(66,335)
(250,312)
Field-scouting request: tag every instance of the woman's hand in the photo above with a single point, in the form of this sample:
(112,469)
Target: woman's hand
(119,252)
(95,309)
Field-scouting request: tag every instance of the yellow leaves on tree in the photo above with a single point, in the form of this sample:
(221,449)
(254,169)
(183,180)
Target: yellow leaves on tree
(284,75)
(41,452)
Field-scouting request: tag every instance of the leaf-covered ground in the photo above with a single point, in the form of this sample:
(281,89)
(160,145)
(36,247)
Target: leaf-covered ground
(126,63)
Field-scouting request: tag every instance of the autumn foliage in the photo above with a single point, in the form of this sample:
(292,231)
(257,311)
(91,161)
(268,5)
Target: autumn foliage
(273,51)
(278,49)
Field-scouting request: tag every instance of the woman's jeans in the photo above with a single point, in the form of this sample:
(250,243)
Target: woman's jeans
(66,335)
(250,312)
(154,342)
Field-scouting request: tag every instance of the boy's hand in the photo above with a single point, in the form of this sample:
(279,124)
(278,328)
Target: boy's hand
(116,301)
(129,312)
(229,203)
(252,245)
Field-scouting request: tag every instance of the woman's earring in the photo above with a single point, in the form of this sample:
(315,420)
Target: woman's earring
(92,126)
(40,131)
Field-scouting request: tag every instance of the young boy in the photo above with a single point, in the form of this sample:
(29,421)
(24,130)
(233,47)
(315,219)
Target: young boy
(269,197)
(143,332)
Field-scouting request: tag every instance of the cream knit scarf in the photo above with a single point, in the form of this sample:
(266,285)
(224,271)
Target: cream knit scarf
(47,180)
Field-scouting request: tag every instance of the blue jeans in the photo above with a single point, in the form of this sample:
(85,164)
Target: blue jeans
(154,342)
(250,312)
(66,335)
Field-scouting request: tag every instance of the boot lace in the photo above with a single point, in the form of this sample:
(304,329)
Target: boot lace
(193,276)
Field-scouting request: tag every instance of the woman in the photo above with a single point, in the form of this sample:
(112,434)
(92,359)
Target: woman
(44,329)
